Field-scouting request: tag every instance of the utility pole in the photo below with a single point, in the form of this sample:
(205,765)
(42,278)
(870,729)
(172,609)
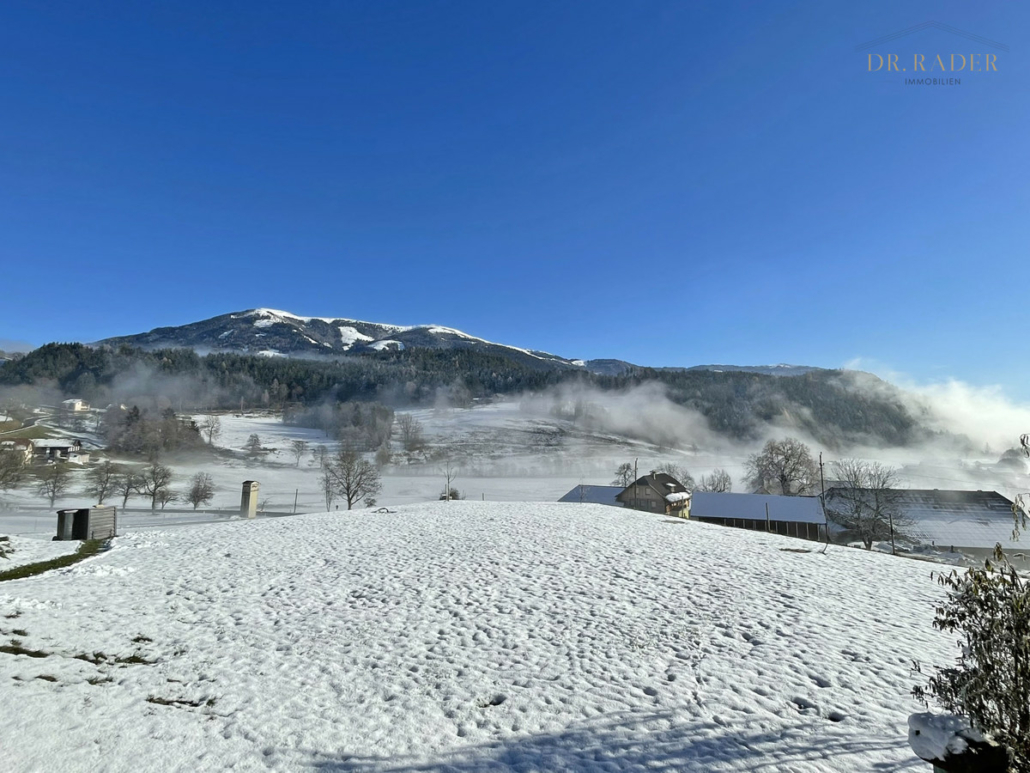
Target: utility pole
(296,493)
(767,524)
(822,498)
(890,517)
(822,482)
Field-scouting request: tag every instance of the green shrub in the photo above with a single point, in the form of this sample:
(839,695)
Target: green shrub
(990,683)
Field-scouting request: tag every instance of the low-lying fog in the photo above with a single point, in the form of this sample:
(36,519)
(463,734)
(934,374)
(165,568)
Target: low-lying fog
(539,446)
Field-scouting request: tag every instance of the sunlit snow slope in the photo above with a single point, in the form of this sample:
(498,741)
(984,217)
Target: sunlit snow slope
(467,636)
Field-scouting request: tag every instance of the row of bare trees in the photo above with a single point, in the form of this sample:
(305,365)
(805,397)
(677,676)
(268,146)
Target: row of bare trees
(107,481)
(718,481)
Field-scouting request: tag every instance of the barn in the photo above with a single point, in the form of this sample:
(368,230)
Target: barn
(598,495)
(791,516)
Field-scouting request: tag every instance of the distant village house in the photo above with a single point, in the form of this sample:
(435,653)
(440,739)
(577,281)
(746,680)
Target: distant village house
(59,450)
(21,446)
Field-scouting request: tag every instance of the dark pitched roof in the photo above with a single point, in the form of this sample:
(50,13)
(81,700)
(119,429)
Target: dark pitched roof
(601,495)
(751,507)
(663,483)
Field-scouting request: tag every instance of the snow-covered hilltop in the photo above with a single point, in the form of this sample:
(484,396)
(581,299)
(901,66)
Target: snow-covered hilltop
(272,333)
(469,637)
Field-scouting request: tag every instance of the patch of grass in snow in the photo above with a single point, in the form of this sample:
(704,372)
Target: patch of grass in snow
(135,660)
(15,648)
(95,680)
(47,678)
(180,701)
(88,548)
(101,658)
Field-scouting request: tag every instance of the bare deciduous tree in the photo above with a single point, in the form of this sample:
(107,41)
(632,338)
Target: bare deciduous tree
(53,481)
(299,448)
(12,469)
(126,485)
(320,456)
(784,467)
(865,502)
(679,473)
(411,432)
(623,475)
(354,477)
(327,483)
(211,428)
(718,482)
(450,473)
(166,495)
(153,480)
(102,481)
(201,490)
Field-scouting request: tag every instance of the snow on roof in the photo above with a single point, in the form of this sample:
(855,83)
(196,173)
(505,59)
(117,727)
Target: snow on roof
(963,519)
(680,496)
(751,507)
(598,495)
(54,443)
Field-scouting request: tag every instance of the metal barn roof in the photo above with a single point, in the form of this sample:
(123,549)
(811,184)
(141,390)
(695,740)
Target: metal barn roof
(598,495)
(960,519)
(751,507)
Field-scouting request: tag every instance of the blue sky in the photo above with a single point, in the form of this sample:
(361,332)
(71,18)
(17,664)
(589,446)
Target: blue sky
(670,183)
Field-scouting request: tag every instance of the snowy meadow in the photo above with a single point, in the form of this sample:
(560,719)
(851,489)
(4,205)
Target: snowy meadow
(466,636)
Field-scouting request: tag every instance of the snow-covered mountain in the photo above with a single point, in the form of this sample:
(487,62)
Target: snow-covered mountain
(274,333)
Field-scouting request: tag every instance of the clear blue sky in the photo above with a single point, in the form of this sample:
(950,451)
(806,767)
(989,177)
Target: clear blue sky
(670,183)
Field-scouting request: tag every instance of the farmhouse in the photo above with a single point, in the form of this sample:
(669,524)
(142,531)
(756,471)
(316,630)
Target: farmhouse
(965,521)
(21,446)
(75,404)
(598,495)
(791,516)
(56,449)
(656,492)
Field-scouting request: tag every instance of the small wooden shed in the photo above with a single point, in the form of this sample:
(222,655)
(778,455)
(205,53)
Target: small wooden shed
(99,522)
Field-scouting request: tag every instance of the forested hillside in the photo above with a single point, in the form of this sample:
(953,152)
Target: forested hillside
(832,406)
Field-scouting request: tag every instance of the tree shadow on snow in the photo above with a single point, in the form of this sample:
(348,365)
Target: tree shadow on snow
(655,742)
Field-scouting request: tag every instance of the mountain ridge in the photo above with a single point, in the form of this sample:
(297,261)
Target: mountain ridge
(277,333)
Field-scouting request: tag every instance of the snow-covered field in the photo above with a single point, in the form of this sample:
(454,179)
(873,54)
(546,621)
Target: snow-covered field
(29,550)
(466,636)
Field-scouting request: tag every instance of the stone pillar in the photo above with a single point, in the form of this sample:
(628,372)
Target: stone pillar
(249,502)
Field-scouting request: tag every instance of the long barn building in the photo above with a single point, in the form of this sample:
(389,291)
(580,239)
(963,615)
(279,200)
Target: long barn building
(791,516)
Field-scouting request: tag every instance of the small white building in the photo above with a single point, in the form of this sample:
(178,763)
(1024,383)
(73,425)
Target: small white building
(75,404)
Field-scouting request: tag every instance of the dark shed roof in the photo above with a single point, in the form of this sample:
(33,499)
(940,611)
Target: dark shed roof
(751,507)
